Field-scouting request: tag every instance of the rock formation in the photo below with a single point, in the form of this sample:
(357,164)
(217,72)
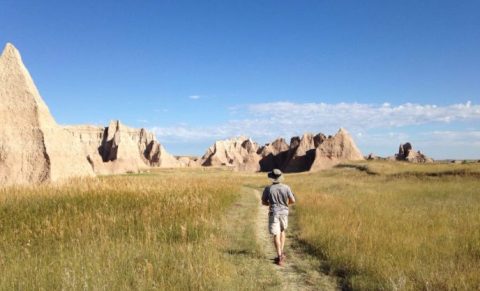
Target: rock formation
(189,162)
(239,153)
(33,148)
(274,155)
(333,150)
(121,149)
(308,153)
(301,153)
(373,157)
(407,153)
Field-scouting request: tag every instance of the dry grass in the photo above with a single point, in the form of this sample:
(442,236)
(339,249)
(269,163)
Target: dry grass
(394,168)
(379,225)
(394,226)
(163,230)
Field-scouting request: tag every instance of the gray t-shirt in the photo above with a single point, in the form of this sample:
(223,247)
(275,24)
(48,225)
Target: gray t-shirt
(277,196)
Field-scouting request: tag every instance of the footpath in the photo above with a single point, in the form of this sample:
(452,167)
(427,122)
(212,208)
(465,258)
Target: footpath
(301,271)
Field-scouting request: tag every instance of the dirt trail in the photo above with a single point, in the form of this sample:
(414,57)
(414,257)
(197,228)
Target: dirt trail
(301,271)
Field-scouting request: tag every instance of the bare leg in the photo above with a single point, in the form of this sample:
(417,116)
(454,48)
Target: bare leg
(282,241)
(278,244)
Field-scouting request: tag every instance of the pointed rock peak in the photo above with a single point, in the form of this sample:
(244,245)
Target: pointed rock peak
(279,140)
(113,128)
(10,52)
(342,131)
(308,135)
(115,124)
(242,138)
(294,142)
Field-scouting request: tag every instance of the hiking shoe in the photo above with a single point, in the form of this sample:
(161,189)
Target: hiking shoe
(279,260)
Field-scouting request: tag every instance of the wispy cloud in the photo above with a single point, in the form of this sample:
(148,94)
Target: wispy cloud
(459,138)
(357,115)
(186,133)
(378,128)
(194,97)
(270,120)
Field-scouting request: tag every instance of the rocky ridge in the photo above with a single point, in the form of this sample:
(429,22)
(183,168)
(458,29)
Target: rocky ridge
(407,153)
(118,148)
(239,153)
(35,149)
(307,153)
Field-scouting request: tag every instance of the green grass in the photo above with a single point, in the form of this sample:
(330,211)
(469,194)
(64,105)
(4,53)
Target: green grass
(405,226)
(161,230)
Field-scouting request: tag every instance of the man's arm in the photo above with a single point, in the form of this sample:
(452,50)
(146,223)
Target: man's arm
(265,197)
(291,197)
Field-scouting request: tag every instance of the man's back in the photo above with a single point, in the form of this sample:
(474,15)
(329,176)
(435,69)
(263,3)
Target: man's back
(278,196)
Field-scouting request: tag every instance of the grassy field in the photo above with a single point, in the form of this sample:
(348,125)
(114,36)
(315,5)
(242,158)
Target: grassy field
(167,230)
(377,225)
(394,226)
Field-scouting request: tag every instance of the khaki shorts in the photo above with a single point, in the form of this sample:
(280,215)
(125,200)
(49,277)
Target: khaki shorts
(277,223)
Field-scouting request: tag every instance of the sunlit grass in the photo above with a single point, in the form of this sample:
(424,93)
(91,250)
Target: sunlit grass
(391,230)
(379,225)
(404,169)
(159,230)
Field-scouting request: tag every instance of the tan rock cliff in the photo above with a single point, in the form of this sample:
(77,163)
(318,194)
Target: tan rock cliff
(33,147)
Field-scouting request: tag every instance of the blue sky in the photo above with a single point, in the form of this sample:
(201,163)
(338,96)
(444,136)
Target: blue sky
(197,71)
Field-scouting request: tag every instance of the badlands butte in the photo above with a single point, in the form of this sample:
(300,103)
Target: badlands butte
(35,149)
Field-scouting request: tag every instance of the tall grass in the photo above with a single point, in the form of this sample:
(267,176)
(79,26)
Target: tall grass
(156,231)
(379,225)
(406,227)
(394,168)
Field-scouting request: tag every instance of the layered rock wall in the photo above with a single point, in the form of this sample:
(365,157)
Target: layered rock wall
(273,155)
(118,148)
(334,150)
(239,153)
(33,147)
(408,154)
(307,153)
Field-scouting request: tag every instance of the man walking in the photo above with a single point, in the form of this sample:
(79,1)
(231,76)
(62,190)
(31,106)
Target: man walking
(278,196)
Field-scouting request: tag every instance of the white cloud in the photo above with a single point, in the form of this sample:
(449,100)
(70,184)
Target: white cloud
(265,121)
(186,133)
(448,137)
(194,97)
(358,116)
(378,128)
(461,144)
